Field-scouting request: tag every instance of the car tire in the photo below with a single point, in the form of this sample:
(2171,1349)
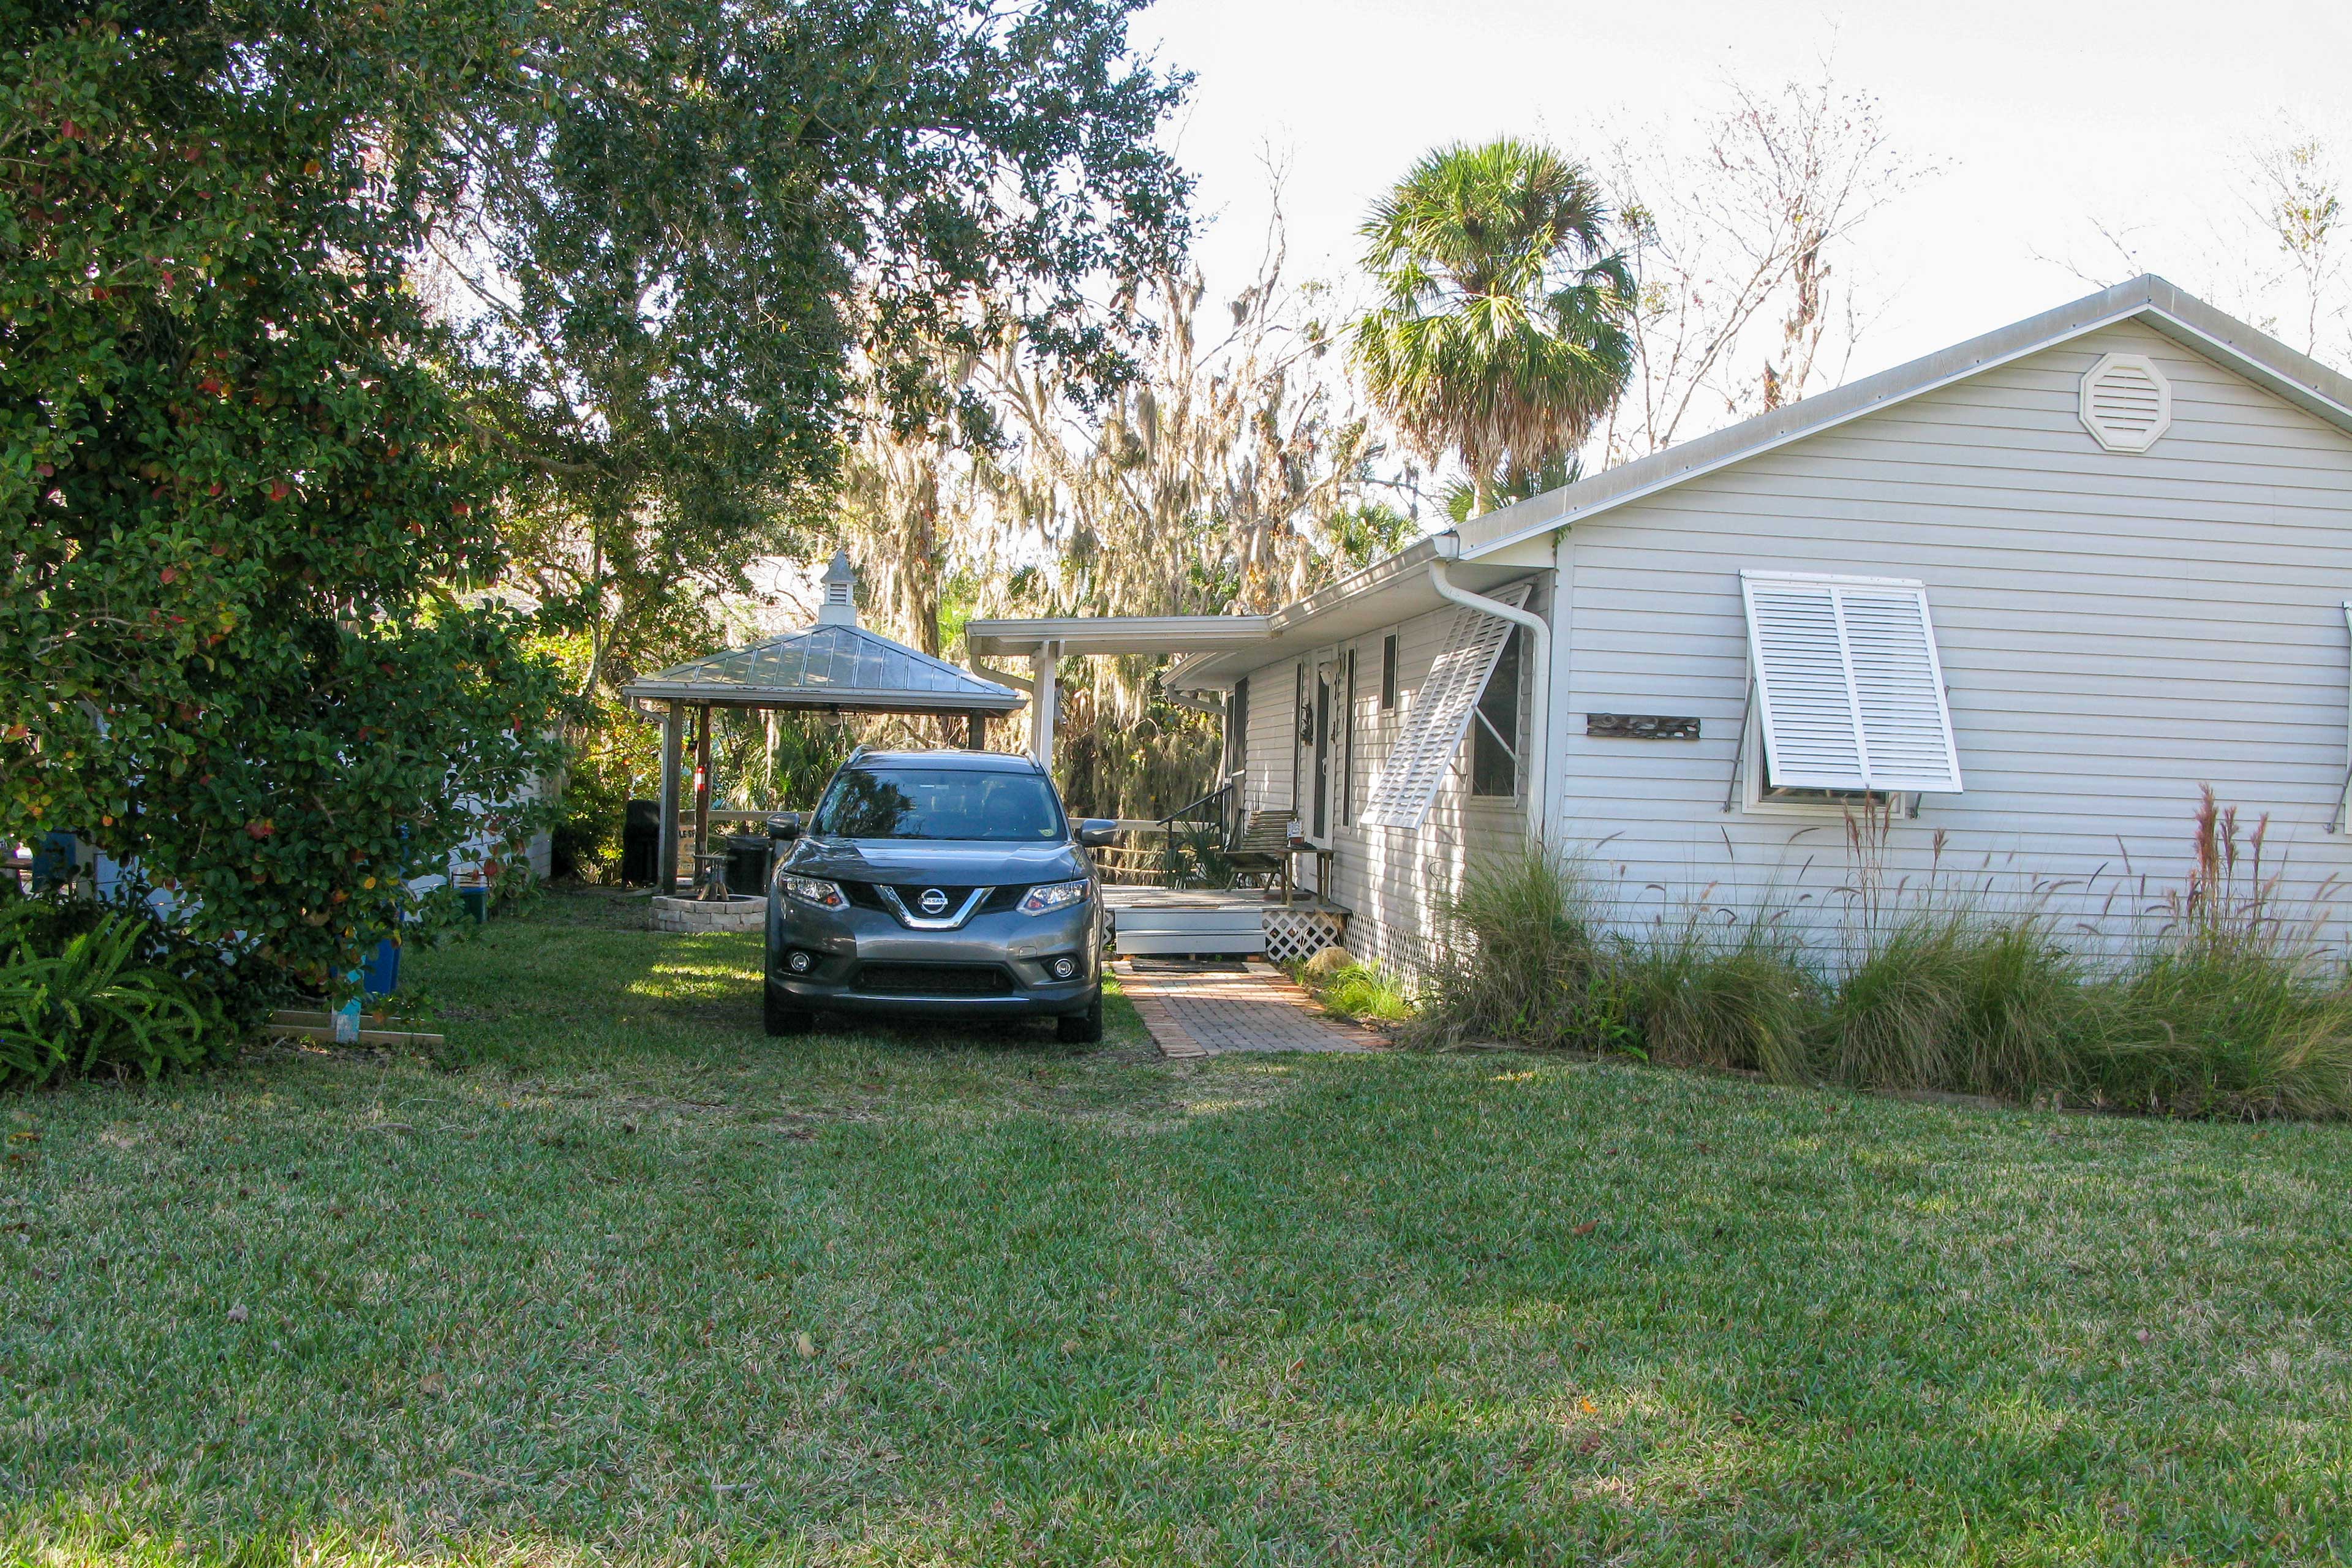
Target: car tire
(783,1019)
(1081,1028)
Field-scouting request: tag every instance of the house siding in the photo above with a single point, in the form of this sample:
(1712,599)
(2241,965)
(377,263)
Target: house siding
(1393,883)
(2116,630)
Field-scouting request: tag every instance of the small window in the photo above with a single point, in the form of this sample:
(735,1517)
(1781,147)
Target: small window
(1237,728)
(1427,749)
(1494,735)
(1387,672)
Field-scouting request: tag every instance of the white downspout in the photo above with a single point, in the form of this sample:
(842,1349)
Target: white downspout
(1538,747)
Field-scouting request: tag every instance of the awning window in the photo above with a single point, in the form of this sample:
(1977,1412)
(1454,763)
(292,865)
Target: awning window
(1848,688)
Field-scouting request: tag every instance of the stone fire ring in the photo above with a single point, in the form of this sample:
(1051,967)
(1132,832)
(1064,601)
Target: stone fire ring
(695,914)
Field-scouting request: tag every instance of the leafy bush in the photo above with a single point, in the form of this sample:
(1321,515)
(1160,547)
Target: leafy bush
(244,517)
(86,987)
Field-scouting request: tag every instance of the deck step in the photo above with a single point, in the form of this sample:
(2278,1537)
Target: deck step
(1190,920)
(1144,945)
(1231,929)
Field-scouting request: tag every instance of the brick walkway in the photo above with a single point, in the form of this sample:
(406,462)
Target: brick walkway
(1207,1011)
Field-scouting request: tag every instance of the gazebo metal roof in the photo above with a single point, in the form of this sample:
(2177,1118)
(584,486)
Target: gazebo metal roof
(828,667)
(836,664)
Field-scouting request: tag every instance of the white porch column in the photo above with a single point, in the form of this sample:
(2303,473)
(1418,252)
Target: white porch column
(1043,700)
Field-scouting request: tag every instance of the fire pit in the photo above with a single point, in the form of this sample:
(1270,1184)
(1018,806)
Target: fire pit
(733,913)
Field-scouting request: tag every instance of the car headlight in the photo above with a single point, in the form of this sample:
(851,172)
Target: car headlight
(815,891)
(1047,897)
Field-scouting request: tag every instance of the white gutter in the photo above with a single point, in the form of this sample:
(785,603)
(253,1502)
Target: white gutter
(1538,746)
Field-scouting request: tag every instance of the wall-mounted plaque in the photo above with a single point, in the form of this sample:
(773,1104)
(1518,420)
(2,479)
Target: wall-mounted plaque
(1640,727)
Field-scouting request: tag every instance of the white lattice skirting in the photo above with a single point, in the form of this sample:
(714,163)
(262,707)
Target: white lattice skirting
(1293,936)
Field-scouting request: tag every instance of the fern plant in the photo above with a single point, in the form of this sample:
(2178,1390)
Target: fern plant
(99,993)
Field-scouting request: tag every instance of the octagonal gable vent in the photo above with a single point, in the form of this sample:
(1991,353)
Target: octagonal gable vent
(2126,402)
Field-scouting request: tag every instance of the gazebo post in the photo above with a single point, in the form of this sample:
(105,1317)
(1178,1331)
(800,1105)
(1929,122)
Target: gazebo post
(673,742)
(975,731)
(702,786)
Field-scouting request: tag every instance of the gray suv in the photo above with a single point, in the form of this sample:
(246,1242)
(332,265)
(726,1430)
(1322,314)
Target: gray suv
(937,885)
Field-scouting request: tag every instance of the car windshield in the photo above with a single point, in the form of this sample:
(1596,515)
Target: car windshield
(939,803)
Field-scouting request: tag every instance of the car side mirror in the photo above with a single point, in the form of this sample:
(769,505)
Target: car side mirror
(785,824)
(1098,832)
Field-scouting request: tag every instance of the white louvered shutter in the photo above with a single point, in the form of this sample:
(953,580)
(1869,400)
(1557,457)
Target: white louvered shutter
(1848,685)
(1433,727)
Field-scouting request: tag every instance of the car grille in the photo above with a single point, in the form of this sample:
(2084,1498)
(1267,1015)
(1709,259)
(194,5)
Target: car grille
(869,896)
(934,979)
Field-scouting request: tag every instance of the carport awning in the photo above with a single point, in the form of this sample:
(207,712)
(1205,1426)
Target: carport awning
(836,666)
(1073,636)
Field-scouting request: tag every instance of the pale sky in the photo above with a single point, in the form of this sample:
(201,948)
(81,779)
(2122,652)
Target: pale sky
(2044,115)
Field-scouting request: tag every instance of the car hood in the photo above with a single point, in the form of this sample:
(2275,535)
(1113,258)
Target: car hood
(950,862)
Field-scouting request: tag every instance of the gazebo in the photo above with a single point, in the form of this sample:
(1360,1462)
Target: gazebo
(834,667)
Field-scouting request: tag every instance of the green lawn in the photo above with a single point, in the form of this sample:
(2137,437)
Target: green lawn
(546,1301)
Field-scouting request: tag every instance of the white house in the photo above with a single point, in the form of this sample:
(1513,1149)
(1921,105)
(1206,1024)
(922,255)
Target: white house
(2037,588)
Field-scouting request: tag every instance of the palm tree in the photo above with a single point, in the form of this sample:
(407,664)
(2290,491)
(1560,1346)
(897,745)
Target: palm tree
(1501,335)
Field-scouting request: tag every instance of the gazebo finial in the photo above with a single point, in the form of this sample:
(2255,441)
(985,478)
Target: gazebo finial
(840,607)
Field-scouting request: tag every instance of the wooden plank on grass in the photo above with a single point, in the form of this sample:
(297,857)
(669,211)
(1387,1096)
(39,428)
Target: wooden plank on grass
(281,1025)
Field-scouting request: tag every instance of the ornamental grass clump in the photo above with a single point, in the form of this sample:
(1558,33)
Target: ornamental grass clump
(1522,961)
(1960,999)
(1941,988)
(2232,1004)
(1531,957)
(1740,994)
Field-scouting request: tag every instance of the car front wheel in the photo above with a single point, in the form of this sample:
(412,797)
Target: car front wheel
(1081,1028)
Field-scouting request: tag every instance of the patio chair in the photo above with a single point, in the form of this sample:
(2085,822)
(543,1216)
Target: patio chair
(1262,849)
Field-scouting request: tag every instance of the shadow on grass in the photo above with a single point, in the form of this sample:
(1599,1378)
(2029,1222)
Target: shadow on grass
(692,1295)
(579,980)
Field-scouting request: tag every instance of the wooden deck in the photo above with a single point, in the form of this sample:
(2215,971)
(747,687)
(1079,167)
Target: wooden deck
(1137,898)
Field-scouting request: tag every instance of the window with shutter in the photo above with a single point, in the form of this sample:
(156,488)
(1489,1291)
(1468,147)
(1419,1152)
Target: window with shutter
(1497,733)
(1430,734)
(1849,694)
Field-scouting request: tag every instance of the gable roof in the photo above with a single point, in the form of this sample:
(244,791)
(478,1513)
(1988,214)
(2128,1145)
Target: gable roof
(1336,611)
(2149,300)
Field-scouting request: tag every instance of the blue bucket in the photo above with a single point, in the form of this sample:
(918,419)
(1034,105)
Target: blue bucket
(380,976)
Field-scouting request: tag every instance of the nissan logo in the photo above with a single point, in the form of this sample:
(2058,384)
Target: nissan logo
(933,902)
